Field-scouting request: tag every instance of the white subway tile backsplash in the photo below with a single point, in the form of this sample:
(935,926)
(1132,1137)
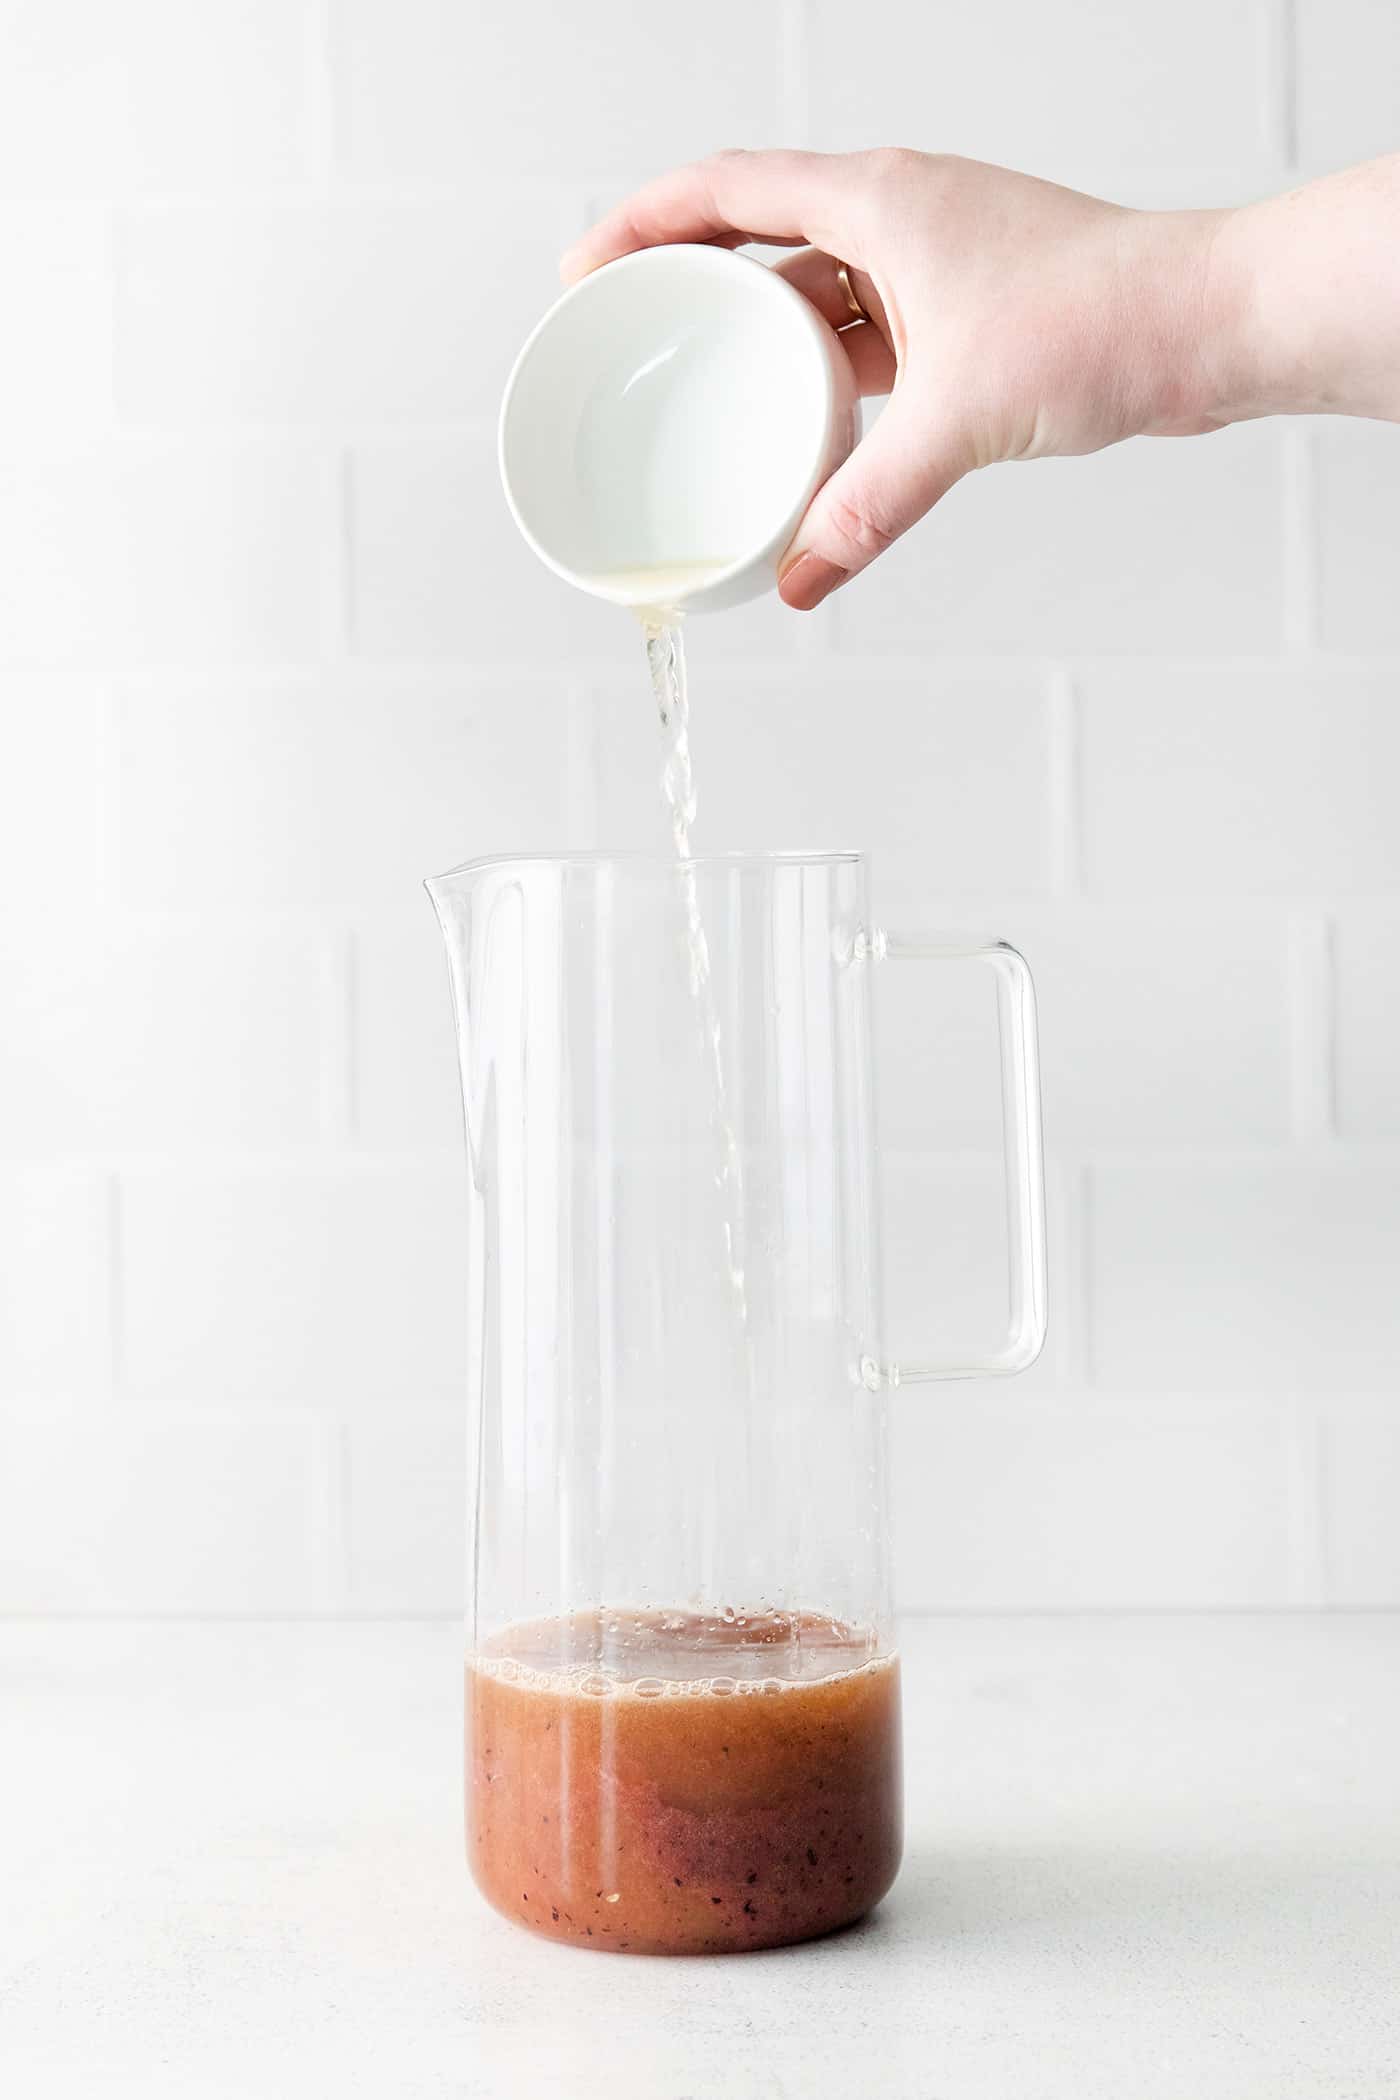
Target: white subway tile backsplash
(438,570)
(1152,546)
(271,652)
(405,1526)
(135,552)
(941,771)
(326,313)
(405,1087)
(50,1058)
(271,1289)
(1358,474)
(1118,81)
(56,1311)
(151,95)
(945,1268)
(1365,960)
(765,631)
(51,799)
(56,344)
(1348,63)
(430,91)
(1011,1501)
(1254,778)
(937,1069)
(1270,1276)
(1360,1499)
(160,1036)
(162,1515)
(1157,1027)
(332,797)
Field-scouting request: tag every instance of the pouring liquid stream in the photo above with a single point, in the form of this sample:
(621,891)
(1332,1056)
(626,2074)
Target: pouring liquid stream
(665,648)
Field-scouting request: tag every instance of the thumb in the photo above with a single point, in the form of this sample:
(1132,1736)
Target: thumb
(894,476)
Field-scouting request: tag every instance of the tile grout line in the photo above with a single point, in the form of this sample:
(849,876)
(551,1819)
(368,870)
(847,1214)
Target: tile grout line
(321,96)
(109,423)
(1075,1360)
(1311,1029)
(1279,78)
(338,561)
(116,1284)
(104,813)
(830,672)
(330,1515)
(339,1041)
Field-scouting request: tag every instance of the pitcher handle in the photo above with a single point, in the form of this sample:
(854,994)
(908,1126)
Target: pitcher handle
(1022,1150)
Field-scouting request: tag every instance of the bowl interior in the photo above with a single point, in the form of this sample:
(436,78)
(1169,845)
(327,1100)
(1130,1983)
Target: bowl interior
(670,414)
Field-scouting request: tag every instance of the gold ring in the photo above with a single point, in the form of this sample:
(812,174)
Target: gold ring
(843,278)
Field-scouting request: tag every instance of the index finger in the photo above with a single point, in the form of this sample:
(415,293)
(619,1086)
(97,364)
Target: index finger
(781,197)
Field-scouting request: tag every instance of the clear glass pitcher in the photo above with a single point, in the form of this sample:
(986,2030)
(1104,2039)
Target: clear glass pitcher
(682,1686)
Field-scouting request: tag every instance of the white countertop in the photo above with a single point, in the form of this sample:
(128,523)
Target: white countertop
(1146,1857)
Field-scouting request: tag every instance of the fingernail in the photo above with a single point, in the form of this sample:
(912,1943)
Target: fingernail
(806,580)
(568,265)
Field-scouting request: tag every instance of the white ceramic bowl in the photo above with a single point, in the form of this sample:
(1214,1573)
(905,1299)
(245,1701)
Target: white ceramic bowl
(667,424)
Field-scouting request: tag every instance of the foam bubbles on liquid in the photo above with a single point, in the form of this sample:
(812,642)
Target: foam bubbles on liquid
(600,1684)
(619,1654)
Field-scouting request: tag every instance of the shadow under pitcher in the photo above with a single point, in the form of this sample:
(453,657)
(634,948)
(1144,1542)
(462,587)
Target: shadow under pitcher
(682,1687)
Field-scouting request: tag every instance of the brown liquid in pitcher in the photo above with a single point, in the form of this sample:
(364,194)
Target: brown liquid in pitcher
(717,1785)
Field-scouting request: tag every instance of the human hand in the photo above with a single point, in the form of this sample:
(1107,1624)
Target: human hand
(1009,318)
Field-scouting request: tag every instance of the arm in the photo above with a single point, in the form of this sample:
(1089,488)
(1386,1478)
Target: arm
(1315,288)
(1013,319)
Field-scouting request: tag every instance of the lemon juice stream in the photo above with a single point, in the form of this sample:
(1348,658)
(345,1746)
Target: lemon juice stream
(666,662)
